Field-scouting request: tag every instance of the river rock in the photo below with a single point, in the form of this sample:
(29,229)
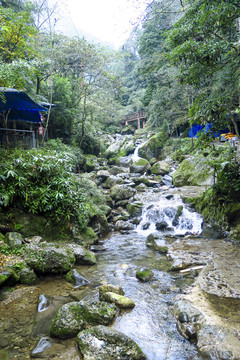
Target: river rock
(82,255)
(135,208)
(140,166)
(167,180)
(115,170)
(111,181)
(161,225)
(47,258)
(160,168)
(156,242)
(110,288)
(14,239)
(122,192)
(144,275)
(27,276)
(107,344)
(75,278)
(74,316)
(121,301)
(125,161)
(102,175)
(194,171)
(141,180)
(141,188)
(123,225)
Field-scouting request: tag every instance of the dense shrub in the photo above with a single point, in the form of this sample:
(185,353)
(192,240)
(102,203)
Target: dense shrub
(42,182)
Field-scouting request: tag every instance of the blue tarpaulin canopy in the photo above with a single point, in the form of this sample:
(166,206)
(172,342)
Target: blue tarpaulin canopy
(197,129)
(19,106)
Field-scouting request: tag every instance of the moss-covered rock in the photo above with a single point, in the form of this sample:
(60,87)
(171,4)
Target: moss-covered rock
(14,240)
(108,344)
(74,316)
(27,276)
(121,301)
(194,171)
(122,192)
(140,166)
(111,181)
(88,237)
(154,146)
(49,259)
(82,255)
(110,288)
(160,168)
(135,208)
(144,275)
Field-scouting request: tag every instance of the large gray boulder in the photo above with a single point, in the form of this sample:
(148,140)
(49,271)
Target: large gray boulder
(140,166)
(160,168)
(82,255)
(49,259)
(74,316)
(123,225)
(122,192)
(111,181)
(194,171)
(104,343)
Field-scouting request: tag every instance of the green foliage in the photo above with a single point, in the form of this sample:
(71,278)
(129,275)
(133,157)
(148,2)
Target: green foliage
(16,35)
(228,181)
(42,182)
(91,145)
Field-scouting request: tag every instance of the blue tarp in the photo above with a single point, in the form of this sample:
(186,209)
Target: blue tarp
(21,106)
(199,128)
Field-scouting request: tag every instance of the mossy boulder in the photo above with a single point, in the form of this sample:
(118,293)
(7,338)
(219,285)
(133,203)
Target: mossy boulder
(111,181)
(49,259)
(160,168)
(14,240)
(108,344)
(140,166)
(67,322)
(74,316)
(194,171)
(157,243)
(27,276)
(154,146)
(82,255)
(122,192)
(110,288)
(121,301)
(135,208)
(88,237)
(144,275)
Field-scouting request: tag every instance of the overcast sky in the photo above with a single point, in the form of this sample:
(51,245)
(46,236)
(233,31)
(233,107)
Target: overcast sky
(108,21)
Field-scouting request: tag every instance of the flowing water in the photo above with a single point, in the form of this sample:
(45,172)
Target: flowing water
(150,323)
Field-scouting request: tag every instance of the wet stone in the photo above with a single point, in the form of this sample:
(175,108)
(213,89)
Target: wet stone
(144,275)
(108,344)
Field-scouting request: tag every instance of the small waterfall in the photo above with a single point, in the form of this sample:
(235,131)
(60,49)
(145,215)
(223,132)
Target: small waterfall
(169,215)
(135,156)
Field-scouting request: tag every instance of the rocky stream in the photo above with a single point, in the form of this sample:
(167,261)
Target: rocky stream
(179,277)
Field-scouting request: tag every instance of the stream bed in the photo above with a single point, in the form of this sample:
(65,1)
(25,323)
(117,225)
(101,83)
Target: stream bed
(150,323)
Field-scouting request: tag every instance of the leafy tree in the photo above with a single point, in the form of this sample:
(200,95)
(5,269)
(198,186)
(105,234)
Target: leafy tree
(205,46)
(17,35)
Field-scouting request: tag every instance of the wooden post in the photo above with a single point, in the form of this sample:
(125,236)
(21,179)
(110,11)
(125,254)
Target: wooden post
(139,124)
